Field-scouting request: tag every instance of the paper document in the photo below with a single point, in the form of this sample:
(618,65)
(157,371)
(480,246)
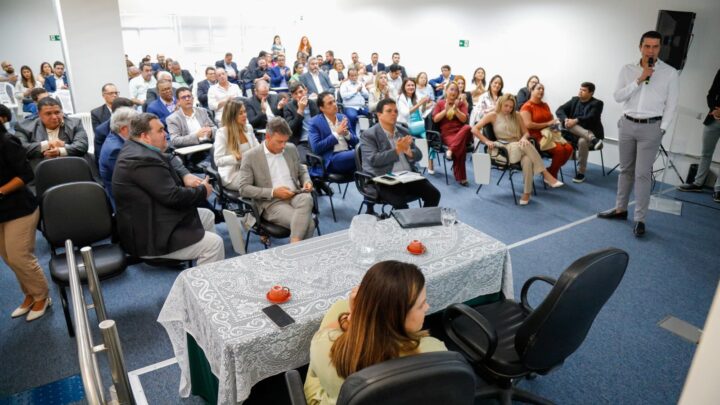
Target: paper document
(481,167)
(399,177)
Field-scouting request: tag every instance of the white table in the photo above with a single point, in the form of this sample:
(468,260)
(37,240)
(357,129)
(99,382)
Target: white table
(189,150)
(220,304)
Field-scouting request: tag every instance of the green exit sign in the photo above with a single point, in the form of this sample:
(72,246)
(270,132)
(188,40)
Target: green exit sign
(464,43)
(54,37)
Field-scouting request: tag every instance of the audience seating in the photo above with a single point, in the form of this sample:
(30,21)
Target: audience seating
(573,141)
(435,143)
(51,172)
(501,162)
(426,378)
(86,120)
(507,340)
(79,212)
(316,162)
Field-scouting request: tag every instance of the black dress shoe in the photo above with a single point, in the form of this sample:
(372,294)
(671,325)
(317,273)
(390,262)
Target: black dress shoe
(612,214)
(716,196)
(639,229)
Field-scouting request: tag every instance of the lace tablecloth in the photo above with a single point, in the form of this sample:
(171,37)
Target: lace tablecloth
(220,304)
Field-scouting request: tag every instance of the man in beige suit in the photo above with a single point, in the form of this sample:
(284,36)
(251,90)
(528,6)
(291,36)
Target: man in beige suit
(271,174)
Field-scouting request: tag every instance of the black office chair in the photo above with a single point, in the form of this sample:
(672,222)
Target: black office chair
(507,340)
(574,142)
(316,162)
(367,188)
(427,378)
(52,172)
(263,227)
(435,143)
(80,212)
(501,162)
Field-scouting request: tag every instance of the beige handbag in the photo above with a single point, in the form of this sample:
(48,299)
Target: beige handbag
(513,149)
(550,138)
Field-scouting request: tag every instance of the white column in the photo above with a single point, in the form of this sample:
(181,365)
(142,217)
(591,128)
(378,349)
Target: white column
(92,44)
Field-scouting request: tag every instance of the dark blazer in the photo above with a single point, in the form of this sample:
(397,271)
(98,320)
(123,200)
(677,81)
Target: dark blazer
(252,74)
(155,213)
(403,73)
(322,141)
(50,83)
(380,67)
(101,133)
(33,133)
(158,108)
(106,162)
(307,80)
(256,117)
(186,76)
(713,98)
(150,96)
(99,115)
(221,64)
(276,76)
(295,120)
(523,96)
(202,92)
(434,82)
(590,120)
(14,163)
(378,154)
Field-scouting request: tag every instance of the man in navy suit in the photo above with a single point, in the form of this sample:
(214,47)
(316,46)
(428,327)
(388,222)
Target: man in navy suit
(166,104)
(332,137)
(230,68)
(315,80)
(374,67)
(204,86)
(58,80)
(441,81)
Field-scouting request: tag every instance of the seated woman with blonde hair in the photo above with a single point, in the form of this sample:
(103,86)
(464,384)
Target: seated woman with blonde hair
(381,321)
(382,90)
(234,138)
(509,127)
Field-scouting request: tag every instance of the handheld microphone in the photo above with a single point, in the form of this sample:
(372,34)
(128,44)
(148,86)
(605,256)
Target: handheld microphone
(651,63)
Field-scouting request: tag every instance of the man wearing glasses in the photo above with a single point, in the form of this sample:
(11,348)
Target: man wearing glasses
(189,125)
(103,113)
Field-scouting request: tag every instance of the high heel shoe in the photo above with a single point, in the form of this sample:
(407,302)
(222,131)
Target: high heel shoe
(524,202)
(35,314)
(24,308)
(557,183)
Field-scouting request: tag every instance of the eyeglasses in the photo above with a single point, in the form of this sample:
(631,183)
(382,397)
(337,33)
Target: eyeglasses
(186,97)
(112,93)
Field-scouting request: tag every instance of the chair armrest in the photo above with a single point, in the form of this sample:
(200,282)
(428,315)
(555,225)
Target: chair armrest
(526,287)
(457,310)
(314,160)
(250,207)
(295,388)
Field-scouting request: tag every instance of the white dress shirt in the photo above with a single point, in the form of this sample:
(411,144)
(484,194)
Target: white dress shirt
(53,134)
(316,79)
(192,123)
(342,144)
(217,93)
(351,96)
(657,98)
(139,87)
(279,170)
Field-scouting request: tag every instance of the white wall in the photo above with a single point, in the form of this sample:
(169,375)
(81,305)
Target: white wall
(565,42)
(91,33)
(23,45)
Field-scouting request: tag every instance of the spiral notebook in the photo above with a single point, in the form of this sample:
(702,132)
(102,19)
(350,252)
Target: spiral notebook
(417,217)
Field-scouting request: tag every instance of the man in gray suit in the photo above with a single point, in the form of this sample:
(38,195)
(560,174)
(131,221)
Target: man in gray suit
(388,148)
(189,125)
(315,80)
(271,174)
(52,134)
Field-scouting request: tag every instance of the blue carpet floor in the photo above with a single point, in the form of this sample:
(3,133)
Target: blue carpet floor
(626,357)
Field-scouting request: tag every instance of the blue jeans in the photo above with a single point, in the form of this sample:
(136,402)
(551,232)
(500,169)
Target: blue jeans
(711,134)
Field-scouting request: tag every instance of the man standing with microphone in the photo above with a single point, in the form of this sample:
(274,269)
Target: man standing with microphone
(648,91)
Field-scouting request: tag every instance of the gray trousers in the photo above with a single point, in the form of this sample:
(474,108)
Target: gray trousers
(209,249)
(295,214)
(711,134)
(584,137)
(638,145)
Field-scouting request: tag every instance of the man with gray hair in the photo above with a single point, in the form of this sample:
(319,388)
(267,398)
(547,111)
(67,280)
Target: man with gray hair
(272,175)
(119,133)
(263,106)
(157,212)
